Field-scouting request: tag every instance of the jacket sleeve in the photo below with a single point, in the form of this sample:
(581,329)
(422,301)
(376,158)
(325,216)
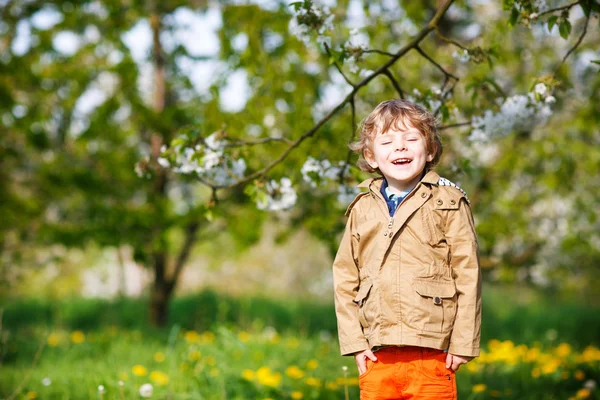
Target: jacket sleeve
(346,282)
(464,261)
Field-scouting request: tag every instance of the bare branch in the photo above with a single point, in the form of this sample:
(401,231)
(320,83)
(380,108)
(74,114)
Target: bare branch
(567,7)
(190,238)
(441,128)
(572,49)
(448,40)
(348,81)
(385,53)
(431,60)
(388,73)
(243,143)
(353,130)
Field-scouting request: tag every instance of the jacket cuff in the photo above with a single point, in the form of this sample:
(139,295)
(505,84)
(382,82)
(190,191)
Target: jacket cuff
(463,350)
(348,349)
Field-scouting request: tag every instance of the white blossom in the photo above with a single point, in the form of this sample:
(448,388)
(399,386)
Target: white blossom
(163,162)
(320,170)
(462,57)
(146,390)
(517,113)
(46,381)
(280,196)
(541,89)
(346,194)
(533,15)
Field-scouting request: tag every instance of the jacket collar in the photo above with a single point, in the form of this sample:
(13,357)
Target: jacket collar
(430,177)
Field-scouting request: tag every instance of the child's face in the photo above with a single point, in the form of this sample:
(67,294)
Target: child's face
(400,155)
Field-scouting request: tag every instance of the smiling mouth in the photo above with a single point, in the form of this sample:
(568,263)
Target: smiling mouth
(402,161)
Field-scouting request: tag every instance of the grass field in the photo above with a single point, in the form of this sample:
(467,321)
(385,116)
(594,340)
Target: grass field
(218,347)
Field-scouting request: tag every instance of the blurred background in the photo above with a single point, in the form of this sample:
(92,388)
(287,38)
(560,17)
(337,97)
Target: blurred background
(125,275)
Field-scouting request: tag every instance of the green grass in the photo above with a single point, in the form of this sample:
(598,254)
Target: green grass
(216,345)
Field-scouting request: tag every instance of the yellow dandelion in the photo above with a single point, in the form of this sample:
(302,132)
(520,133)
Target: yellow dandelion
(551,366)
(210,360)
(159,357)
(332,386)
(208,337)
(139,370)
(159,378)
(479,388)
(31,395)
(294,372)
(473,367)
(535,373)
(579,375)
(314,382)
(53,340)
(191,337)
(77,337)
(297,395)
(572,398)
(563,350)
(244,336)
(312,364)
(248,374)
(214,372)
(266,377)
(583,394)
(194,355)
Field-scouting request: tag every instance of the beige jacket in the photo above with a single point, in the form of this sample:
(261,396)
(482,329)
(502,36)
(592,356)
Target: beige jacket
(411,279)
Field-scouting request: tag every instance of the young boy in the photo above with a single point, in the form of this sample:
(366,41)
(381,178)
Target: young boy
(406,276)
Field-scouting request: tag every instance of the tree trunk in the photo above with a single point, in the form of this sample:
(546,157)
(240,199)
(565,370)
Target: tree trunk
(159,303)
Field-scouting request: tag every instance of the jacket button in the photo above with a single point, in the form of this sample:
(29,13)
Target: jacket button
(437,301)
(453,202)
(384,233)
(439,202)
(423,194)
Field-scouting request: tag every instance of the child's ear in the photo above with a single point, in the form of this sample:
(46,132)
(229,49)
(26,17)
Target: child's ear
(369,158)
(430,157)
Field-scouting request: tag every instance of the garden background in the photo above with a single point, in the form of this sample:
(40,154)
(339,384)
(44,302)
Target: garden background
(174,175)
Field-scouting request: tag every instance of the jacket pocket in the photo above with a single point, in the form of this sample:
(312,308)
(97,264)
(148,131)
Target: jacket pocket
(435,307)
(362,299)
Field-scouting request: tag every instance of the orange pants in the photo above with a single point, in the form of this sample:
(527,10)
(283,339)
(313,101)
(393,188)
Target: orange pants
(408,373)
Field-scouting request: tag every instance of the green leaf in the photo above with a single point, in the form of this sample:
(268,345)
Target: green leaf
(296,5)
(586,6)
(564,28)
(552,21)
(596,62)
(514,17)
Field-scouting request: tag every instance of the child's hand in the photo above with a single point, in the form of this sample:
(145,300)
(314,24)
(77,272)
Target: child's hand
(361,360)
(453,362)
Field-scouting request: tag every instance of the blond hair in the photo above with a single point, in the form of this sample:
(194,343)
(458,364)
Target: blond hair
(396,113)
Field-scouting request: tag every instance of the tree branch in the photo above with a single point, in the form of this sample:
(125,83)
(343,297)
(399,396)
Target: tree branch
(190,238)
(242,143)
(431,26)
(349,155)
(431,60)
(572,49)
(567,7)
(441,128)
(348,81)
(388,73)
(448,40)
(385,53)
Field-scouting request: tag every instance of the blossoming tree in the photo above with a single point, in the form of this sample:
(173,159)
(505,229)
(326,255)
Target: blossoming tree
(255,113)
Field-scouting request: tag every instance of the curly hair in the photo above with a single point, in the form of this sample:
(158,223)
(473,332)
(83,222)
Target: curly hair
(396,114)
